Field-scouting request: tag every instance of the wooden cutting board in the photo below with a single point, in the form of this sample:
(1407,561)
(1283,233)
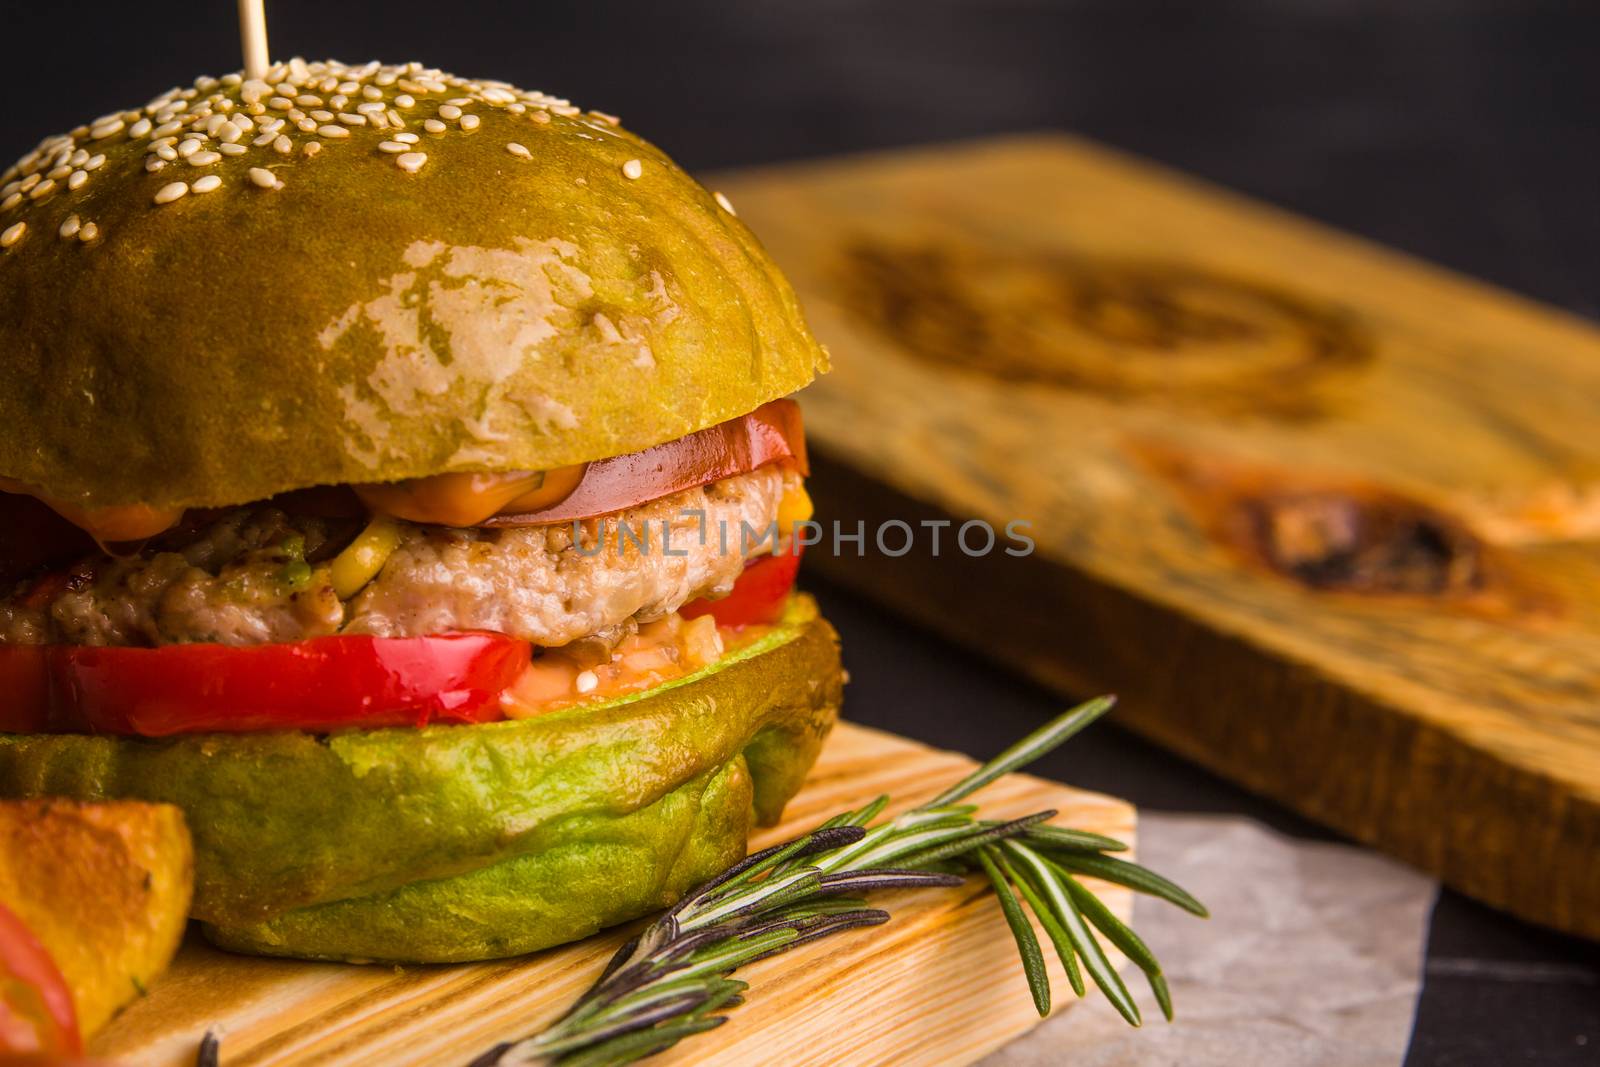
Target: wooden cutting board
(938,984)
(1328,518)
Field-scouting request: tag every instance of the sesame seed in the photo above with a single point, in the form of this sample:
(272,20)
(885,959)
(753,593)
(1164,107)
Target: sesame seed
(232,149)
(166,129)
(394,119)
(541,117)
(632,169)
(154,164)
(312,148)
(498,96)
(449,112)
(172,191)
(12,234)
(10,202)
(394,147)
(609,120)
(204,159)
(371,107)
(140,128)
(30,181)
(407,138)
(76,179)
(333,133)
(519,150)
(89,232)
(434,126)
(371,92)
(352,120)
(405,100)
(188,148)
(306,125)
(207,184)
(280,103)
(412,162)
(59,172)
(282,145)
(587,681)
(308,100)
(42,190)
(228,132)
(107,129)
(724,203)
(69,228)
(322,115)
(264,178)
(470,122)
(167,152)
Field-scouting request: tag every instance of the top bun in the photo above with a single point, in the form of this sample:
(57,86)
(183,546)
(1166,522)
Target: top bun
(357,274)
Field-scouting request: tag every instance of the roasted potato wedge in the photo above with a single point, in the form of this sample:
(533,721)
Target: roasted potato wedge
(104,886)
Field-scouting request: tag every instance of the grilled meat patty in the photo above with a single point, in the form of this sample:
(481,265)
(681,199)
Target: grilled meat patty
(255,575)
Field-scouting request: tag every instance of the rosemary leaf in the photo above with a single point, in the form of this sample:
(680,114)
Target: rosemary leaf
(1117,932)
(1060,838)
(1141,879)
(1158,986)
(631,1048)
(1027,750)
(1021,929)
(210,1050)
(971,838)
(1094,957)
(1043,894)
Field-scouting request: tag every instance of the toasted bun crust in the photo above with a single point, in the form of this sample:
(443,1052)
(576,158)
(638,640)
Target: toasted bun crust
(543,288)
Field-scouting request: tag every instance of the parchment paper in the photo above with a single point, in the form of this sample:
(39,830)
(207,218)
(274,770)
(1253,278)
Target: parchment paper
(1312,958)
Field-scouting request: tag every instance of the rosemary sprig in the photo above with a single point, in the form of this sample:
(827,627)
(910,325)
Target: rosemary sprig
(671,981)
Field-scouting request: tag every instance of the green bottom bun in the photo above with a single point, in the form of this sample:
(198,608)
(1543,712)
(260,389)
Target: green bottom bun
(455,843)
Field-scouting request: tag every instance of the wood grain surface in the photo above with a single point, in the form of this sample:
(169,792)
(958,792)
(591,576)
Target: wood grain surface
(1327,517)
(939,984)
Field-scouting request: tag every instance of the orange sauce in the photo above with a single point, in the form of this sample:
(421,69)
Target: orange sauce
(467,499)
(127,522)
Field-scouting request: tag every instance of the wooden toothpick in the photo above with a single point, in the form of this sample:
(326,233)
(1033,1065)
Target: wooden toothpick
(253,37)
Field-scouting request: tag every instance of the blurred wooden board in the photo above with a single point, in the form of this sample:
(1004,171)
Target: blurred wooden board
(938,984)
(1327,517)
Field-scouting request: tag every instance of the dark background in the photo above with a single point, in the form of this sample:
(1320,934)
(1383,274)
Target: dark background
(1463,131)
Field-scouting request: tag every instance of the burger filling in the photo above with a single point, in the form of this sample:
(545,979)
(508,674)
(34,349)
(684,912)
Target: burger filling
(255,575)
(598,605)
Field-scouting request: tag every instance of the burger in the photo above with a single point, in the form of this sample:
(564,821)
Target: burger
(400,478)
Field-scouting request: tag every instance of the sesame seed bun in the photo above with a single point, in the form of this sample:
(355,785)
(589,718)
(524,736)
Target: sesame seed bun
(214,300)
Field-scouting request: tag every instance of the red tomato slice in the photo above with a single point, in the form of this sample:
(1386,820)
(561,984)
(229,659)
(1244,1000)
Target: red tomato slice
(36,1011)
(758,596)
(321,684)
(770,433)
